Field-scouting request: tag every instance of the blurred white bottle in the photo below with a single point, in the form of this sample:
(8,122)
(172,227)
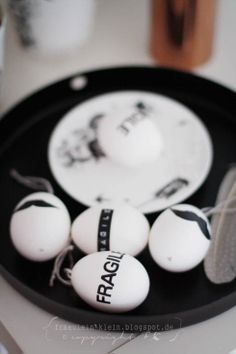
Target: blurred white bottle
(53,26)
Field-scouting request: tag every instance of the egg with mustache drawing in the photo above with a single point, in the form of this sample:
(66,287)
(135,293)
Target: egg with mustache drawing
(40,226)
(180,238)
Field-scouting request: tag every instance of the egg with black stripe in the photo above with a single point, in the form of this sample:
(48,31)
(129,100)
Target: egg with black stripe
(121,228)
(40,226)
(180,238)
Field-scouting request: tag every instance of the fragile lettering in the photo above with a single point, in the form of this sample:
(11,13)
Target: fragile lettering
(104,229)
(110,267)
(128,123)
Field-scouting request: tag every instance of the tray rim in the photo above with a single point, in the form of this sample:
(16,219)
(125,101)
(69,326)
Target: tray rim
(41,90)
(185,318)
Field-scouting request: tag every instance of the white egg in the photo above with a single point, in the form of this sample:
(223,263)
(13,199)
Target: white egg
(180,238)
(123,229)
(40,226)
(110,281)
(130,137)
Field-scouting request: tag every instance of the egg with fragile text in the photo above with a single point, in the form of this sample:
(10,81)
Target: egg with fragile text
(124,229)
(130,137)
(110,281)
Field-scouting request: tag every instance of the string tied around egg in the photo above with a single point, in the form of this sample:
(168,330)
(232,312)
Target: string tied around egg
(36,183)
(219,208)
(56,272)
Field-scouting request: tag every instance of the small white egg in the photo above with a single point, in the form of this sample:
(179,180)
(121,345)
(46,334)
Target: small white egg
(40,226)
(180,238)
(110,281)
(130,137)
(124,229)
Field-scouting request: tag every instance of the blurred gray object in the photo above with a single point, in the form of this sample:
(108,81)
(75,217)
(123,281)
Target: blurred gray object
(3,22)
(220,263)
(7,343)
(22,11)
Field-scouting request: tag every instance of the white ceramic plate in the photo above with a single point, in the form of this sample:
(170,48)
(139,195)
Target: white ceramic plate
(91,178)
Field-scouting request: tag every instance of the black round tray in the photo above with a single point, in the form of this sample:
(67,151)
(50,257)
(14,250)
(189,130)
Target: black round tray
(175,299)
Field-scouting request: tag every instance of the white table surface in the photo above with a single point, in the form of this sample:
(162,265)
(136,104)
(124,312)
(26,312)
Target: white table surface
(120,37)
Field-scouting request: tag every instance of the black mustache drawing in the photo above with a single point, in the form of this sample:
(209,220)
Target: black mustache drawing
(37,203)
(188,215)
